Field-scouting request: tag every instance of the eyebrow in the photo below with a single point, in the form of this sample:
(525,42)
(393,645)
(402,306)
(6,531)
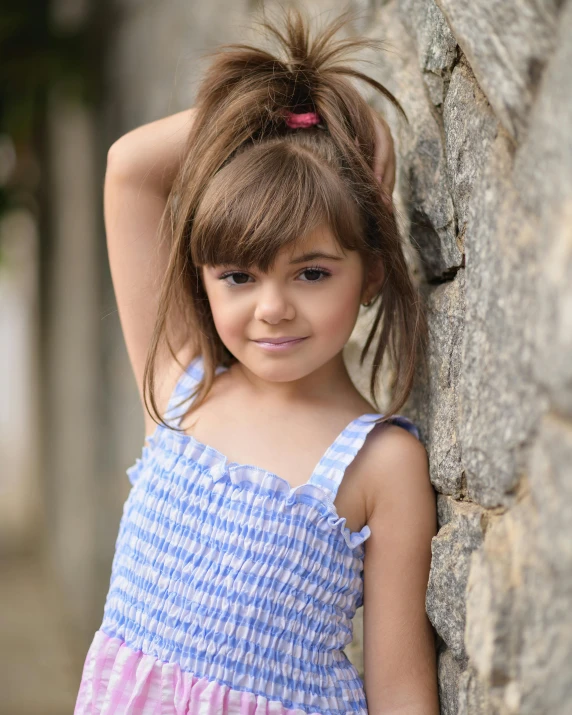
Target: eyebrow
(315,255)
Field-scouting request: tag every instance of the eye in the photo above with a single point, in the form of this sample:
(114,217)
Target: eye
(238,278)
(314,274)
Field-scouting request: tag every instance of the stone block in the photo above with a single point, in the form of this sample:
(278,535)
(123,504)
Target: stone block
(470,128)
(449,671)
(436,45)
(543,177)
(507,45)
(553,320)
(473,696)
(451,550)
(496,605)
(545,675)
(422,188)
(519,592)
(446,315)
(499,401)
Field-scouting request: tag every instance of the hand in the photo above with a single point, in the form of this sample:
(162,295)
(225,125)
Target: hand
(384,158)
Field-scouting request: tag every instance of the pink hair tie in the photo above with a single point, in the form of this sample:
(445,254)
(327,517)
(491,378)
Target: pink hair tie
(301,121)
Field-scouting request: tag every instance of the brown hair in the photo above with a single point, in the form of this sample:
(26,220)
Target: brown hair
(249,185)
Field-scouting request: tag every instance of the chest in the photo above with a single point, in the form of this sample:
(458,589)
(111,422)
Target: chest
(290,446)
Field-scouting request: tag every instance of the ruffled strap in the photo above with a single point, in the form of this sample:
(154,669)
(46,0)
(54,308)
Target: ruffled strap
(184,392)
(179,402)
(331,468)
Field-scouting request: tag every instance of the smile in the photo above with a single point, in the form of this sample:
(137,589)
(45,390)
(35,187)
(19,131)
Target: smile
(273,344)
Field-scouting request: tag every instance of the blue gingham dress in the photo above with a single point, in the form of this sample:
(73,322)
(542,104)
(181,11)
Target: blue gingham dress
(231,591)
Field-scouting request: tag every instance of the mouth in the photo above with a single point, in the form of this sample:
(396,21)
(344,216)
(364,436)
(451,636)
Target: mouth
(279,343)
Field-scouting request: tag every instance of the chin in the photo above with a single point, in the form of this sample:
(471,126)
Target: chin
(277,373)
(278,370)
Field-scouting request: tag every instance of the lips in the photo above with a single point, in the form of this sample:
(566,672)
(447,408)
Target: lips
(278,341)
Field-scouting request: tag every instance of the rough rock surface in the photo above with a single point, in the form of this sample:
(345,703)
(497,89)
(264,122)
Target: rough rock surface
(436,44)
(470,127)
(422,175)
(485,194)
(437,399)
(507,44)
(496,381)
(460,535)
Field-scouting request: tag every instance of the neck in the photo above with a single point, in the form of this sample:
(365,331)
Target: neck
(314,387)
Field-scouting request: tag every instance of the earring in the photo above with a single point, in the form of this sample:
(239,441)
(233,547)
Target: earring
(366,305)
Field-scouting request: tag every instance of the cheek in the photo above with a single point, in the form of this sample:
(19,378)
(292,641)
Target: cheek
(337,311)
(228,314)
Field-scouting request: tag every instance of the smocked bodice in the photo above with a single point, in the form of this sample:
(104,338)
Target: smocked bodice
(236,579)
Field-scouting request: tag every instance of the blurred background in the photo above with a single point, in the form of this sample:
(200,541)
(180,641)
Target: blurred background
(74,76)
(484,194)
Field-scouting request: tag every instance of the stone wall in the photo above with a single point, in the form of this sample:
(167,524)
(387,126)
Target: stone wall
(485,193)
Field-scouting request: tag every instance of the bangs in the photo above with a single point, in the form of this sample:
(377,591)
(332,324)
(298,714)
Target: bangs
(266,198)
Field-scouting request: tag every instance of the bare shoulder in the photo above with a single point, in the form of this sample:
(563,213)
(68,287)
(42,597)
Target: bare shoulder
(394,468)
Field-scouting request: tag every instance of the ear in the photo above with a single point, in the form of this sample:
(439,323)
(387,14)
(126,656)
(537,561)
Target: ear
(373,279)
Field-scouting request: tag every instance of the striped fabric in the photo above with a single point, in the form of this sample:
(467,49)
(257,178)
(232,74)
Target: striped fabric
(231,591)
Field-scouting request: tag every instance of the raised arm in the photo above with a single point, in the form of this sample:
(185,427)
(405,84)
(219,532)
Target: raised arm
(141,168)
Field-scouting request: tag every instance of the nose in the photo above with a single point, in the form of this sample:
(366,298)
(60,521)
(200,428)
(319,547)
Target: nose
(273,304)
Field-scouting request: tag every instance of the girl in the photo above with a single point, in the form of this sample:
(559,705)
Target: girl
(233,586)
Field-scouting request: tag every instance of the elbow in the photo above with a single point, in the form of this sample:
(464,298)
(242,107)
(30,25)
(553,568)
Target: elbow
(116,162)
(122,160)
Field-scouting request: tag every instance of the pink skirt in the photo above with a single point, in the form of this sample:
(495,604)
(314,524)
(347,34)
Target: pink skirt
(119,681)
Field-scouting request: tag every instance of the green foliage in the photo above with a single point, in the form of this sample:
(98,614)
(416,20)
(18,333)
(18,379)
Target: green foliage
(36,56)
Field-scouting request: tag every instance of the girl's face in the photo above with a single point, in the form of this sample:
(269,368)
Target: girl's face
(285,324)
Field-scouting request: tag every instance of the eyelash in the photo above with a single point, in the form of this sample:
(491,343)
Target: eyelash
(325,274)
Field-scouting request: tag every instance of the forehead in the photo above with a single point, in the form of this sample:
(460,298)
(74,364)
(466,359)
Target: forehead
(319,240)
